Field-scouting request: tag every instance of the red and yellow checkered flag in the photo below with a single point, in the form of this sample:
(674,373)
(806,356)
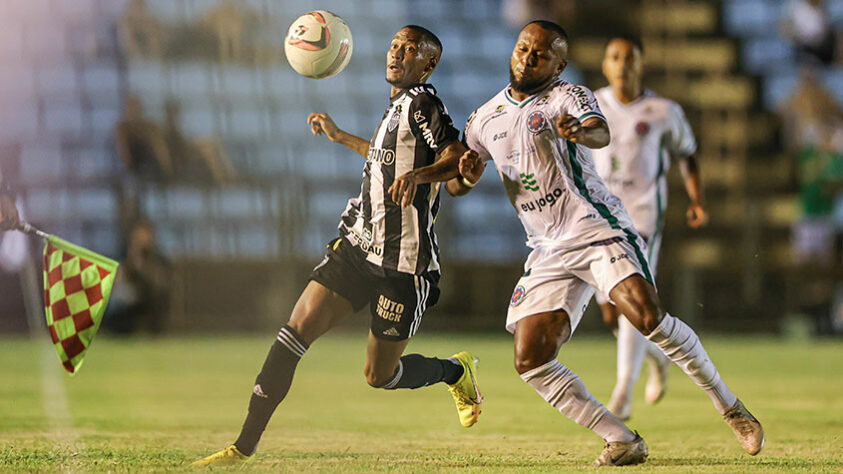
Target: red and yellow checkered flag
(77,284)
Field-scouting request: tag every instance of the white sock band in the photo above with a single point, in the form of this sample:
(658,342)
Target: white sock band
(567,393)
(682,345)
(398,373)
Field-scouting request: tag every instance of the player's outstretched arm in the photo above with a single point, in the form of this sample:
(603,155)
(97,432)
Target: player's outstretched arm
(593,133)
(446,167)
(696,214)
(471,169)
(323,124)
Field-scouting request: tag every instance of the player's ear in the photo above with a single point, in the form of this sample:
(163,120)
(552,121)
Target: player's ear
(562,65)
(431,64)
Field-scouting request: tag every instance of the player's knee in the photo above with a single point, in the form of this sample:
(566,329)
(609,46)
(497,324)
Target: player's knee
(376,379)
(527,361)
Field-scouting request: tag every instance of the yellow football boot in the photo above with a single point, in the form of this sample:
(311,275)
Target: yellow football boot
(465,391)
(226,457)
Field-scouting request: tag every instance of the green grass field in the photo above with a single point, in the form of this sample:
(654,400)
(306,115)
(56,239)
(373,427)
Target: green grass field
(156,405)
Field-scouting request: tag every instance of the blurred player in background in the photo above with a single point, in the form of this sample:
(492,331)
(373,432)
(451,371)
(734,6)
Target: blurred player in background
(386,256)
(9,218)
(539,130)
(647,131)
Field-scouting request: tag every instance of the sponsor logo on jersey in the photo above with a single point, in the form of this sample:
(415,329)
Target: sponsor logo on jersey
(529,182)
(536,122)
(365,245)
(543,100)
(499,111)
(548,200)
(642,128)
(417,115)
(517,295)
(581,98)
(381,155)
(498,136)
(389,310)
(428,135)
(391,332)
(422,89)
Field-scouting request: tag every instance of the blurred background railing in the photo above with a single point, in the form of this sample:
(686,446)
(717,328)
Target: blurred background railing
(174,128)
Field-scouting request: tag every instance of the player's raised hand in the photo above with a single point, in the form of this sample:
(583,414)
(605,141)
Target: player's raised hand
(471,166)
(570,128)
(403,189)
(9,218)
(696,215)
(323,123)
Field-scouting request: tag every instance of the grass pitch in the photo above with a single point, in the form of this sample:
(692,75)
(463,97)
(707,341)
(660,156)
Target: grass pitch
(157,405)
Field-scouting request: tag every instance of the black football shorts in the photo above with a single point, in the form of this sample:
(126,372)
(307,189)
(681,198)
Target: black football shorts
(396,300)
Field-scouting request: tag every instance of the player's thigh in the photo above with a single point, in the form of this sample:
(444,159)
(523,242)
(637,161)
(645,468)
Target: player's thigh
(317,310)
(636,298)
(398,302)
(538,338)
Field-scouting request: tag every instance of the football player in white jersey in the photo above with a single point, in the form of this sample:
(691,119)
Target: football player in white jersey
(539,130)
(647,131)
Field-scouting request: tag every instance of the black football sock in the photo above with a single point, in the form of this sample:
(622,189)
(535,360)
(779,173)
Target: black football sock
(416,370)
(271,387)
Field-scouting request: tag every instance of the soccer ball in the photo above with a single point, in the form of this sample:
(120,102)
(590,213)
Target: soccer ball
(318,44)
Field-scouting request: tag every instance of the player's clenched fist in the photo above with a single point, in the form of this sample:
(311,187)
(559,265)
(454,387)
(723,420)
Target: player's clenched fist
(471,166)
(570,128)
(323,123)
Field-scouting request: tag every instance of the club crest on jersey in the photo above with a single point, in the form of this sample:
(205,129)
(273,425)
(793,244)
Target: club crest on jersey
(536,122)
(642,128)
(517,295)
(393,121)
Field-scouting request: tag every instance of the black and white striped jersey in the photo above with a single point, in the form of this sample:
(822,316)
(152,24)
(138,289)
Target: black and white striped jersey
(413,129)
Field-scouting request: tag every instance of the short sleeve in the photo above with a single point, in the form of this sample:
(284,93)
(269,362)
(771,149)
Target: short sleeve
(579,101)
(473,137)
(430,122)
(680,141)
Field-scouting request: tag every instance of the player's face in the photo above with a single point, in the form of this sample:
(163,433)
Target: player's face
(408,60)
(538,57)
(622,64)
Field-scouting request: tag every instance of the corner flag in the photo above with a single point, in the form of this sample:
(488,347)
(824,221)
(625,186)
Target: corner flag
(77,284)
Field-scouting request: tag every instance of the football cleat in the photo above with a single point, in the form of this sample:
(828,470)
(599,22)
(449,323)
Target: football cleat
(746,427)
(657,382)
(226,457)
(619,453)
(465,391)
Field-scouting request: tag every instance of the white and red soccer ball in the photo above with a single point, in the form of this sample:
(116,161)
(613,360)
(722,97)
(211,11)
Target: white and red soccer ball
(318,44)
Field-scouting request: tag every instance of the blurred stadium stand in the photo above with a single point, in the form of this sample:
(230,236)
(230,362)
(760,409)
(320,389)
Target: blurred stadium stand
(242,250)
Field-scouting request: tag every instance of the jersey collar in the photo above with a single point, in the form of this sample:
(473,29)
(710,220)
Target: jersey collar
(526,101)
(421,86)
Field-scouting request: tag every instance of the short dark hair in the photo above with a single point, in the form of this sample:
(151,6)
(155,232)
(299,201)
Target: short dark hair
(427,36)
(550,26)
(636,41)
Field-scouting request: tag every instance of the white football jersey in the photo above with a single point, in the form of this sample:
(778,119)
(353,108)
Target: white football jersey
(645,134)
(551,182)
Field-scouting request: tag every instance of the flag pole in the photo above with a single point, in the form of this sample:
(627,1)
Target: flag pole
(28,228)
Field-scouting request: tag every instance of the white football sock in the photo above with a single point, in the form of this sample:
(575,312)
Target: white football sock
(631,348)
(682,345)
(655,355)
(567,393)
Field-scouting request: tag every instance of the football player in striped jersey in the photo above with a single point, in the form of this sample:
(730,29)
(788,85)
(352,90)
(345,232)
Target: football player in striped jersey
(386,257)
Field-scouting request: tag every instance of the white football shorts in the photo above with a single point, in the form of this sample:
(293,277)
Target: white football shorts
(566,278)
(654,245)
